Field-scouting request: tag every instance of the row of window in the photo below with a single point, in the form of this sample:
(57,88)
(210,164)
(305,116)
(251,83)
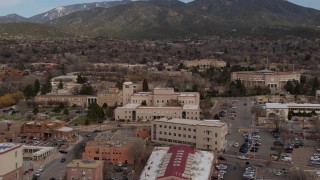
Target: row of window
(177,141)
(175,134)
(179,128)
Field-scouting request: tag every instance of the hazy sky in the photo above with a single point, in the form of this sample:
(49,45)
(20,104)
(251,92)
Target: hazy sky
(29,8)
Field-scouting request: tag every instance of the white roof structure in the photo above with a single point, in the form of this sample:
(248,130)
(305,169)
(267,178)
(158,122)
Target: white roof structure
(216,123)
(8,146)
(290,105)
(190,106)
(183,162)
(65,129)
(41,149)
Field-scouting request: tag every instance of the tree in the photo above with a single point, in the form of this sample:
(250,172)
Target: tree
(95,112)
(36,86)
(276,119)
(28,91)
(290,114)
(60,86)
(145,86)
(46,87)
(86,89)
(315,85)
(216,116)
(35,110)
(81,79)
(66,111)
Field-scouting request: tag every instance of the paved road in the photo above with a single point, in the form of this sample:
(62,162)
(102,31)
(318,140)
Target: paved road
(56,169)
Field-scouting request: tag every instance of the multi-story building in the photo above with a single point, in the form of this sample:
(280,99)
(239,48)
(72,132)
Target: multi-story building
(265,78)
(161,102)
(205,135)
(137,112)
(282,110)
(79,100)
(111,97)
(114,148)
(47,129)
(178,163)
(11,161)
(205,63)
(85,169)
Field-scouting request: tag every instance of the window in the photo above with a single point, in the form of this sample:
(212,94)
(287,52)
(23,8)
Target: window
(216,134)
(215,143)
(189,129)
(16,153)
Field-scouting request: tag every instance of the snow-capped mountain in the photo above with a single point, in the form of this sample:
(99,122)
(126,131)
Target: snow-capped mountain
(65,10)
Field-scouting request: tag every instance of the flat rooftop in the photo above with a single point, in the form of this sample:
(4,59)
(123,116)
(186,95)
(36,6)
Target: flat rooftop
(79,163)
(5,147)
(290,105)
(213,123)
(138,106)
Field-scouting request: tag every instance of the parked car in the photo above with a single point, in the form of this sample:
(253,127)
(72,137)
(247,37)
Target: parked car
(243,157)
(315,158)
(62,159)
(236,144)
(277,143)
(63,152)
(221,158)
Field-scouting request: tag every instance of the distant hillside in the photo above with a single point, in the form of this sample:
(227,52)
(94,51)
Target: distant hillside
(169,19)
(31,30)
(12,18)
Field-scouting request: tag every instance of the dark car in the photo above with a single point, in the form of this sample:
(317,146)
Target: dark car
(88,135)
(221,158)
(277,143)
(62,159)
(296,145)
(63,152)
(288,149)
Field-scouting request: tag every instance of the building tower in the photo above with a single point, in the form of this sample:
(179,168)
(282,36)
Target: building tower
(127,91)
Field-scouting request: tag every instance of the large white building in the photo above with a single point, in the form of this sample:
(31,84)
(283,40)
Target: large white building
(204,134)
(178,163)
(137,112)
(11,161)
(160,103)
(283,109)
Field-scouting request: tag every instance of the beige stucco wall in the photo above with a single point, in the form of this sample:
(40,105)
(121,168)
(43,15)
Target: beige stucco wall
(11,160)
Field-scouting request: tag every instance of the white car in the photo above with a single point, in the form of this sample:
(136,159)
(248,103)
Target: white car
(279,173)
(315,158)
(236,144)
(221,167)
(41,168)
(243,157)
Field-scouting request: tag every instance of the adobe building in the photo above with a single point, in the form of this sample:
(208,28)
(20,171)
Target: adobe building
(203,64)
(161,102)
(114,148)
(78,100)
(47,129)
(11,160)
(205,135)
(111,97)
(265,78)
(85,169)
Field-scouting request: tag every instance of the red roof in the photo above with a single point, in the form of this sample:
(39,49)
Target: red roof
(177,163)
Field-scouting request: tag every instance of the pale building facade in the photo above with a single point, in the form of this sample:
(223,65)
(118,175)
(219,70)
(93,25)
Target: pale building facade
(137,112)
(265,78)
(205,63)
(282,110)
(11,160)
(85,170)
(79,100)
(111,97)
(205,135)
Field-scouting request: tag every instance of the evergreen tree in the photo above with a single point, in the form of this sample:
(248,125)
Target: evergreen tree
(60,86)
(35,110)
(145,86)
(66,111)
(36,86)
(28,91)
(95,112)
(86,89)
(315,85)
(81,79)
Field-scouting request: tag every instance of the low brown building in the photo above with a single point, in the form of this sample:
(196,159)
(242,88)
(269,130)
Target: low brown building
(114,148)
(46,129)
(79,100)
